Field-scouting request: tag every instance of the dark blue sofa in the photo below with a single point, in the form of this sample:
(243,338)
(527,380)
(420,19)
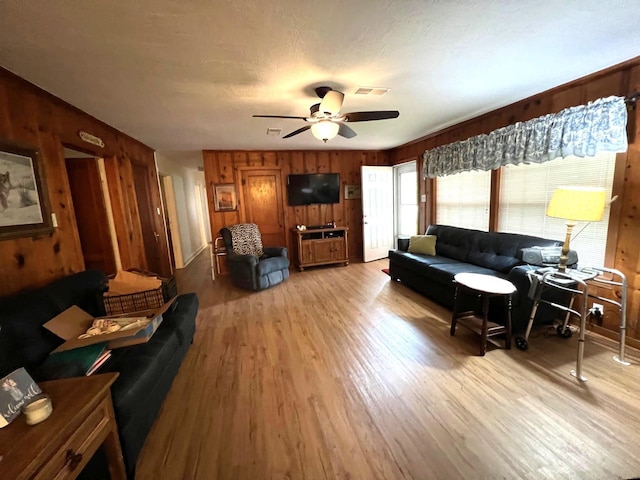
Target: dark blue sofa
(146,370)
(464,250)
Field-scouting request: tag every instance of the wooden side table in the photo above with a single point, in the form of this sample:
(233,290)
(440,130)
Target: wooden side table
(485,287)
(61,446)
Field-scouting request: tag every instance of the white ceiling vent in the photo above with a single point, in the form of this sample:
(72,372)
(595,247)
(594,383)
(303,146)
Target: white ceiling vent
(371,90)
(274,132)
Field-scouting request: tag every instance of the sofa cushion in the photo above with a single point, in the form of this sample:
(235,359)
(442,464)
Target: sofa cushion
(423,244)
(31,342)
(272,264)
(144,365)
(416,262)
(181,317)
(444,272)
(452,242)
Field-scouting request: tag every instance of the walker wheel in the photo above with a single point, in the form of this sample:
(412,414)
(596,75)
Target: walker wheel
(521,343)
(567,333)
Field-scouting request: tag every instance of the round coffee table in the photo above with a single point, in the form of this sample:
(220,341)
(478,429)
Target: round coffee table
(484,287)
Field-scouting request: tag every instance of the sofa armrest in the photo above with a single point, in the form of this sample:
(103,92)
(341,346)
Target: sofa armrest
(403,244)
(275,251)
(518,276)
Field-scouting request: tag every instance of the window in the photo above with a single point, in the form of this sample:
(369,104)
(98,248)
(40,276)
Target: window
(525,192)
(406,181)
(462,200)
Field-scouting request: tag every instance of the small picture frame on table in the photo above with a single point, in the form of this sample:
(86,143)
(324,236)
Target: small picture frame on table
(225,198)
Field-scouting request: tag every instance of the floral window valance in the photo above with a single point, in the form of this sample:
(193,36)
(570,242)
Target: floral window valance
(582,131)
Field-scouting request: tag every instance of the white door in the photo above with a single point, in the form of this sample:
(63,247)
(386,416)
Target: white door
(377,212)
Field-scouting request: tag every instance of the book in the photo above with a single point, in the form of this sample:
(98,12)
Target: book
(87,357)
(16,389)
(106,355)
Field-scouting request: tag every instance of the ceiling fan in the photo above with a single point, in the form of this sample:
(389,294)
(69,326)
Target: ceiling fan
(326,121)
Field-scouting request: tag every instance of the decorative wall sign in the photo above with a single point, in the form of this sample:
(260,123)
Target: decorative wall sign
(225,197)
(352,191)
(16,389)
(24,203)
(92,139)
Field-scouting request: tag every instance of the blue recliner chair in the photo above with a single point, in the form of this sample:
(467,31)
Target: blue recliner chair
(250,265)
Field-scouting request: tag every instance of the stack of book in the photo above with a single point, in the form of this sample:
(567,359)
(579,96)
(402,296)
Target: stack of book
(90,358)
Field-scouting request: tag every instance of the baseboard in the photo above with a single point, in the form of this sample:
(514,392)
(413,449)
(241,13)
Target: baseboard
(195,254)
(605,332)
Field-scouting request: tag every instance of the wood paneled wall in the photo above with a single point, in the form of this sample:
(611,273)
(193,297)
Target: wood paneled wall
(33,118)
(619,80)
(222,167)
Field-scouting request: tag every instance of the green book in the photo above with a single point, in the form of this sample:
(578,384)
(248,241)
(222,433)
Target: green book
(85,357)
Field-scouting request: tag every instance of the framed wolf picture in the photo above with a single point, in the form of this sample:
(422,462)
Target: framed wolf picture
(24,203)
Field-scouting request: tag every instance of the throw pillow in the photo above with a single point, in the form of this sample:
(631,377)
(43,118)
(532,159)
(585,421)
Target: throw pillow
(423,244)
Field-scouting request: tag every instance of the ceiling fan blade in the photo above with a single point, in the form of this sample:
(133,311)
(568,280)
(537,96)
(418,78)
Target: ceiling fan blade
(300,130)
(280,116)
(368,116)
(332,102)
(346,131)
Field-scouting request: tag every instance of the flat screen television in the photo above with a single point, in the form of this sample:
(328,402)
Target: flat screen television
(313,188)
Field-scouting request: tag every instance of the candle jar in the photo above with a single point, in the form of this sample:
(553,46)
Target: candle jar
(38,410)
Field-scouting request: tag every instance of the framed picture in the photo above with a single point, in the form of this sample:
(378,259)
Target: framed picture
(352,191)
(225,197)
(24,203)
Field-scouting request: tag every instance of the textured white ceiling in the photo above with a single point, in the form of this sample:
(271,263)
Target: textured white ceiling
(188,75)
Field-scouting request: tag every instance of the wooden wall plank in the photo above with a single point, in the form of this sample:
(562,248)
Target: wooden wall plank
(218,164)
(36,119)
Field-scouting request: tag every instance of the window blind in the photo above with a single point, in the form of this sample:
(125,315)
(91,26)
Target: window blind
(462,200)
(525,192)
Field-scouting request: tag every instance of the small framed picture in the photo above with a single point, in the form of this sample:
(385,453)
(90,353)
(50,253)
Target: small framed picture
(225,197)
(352,191)
(24,202)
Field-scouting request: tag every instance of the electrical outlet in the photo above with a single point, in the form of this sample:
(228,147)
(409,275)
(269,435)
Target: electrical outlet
(597,309)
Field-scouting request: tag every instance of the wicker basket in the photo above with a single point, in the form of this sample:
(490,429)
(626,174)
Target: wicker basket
(134,302)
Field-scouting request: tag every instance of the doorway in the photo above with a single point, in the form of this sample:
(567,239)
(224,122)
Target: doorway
(91,211)
(262,204)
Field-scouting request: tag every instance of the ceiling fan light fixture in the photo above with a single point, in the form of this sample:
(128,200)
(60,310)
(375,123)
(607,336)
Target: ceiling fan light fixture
(325,130)
(331,102)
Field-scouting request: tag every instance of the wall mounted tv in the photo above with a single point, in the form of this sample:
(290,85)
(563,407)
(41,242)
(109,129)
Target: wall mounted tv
(313,188)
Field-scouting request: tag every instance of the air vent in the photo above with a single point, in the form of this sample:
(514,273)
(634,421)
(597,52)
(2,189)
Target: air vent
(371,90)
(274,132)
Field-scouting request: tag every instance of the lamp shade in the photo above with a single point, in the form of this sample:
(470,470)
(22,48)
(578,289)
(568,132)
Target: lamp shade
(325,130)
(578,203)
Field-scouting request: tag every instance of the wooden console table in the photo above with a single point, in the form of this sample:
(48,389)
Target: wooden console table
(321,247)
(61,446)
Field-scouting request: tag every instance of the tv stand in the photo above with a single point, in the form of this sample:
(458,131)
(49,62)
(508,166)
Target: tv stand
(324,246)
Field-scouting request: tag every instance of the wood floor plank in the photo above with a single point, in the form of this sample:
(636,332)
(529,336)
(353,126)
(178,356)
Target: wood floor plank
(339,373)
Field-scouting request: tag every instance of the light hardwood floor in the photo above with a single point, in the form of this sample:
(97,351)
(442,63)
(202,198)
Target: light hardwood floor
(341,373)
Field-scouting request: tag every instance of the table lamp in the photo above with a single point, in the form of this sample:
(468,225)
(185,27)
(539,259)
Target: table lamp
(576,204)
